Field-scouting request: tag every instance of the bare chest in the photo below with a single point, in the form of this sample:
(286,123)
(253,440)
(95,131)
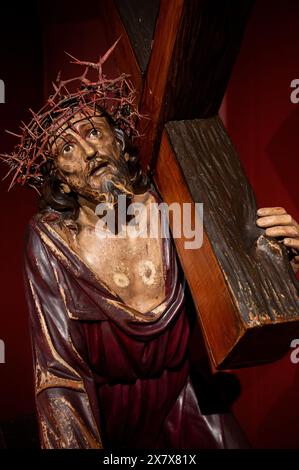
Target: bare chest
(131,268)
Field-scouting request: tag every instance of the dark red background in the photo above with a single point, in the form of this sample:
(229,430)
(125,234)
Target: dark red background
(262,122)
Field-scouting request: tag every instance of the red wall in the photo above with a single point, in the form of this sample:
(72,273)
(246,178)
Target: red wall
(264,127)
(20,68)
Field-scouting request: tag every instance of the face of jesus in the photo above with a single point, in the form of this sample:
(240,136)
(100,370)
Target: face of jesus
(89,158)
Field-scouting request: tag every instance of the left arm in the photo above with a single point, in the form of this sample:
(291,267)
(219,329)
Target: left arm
(278,223)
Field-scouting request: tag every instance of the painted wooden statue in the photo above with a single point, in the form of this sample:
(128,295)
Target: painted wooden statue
(109,326)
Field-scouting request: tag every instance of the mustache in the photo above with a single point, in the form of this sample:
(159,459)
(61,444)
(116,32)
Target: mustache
(100,161)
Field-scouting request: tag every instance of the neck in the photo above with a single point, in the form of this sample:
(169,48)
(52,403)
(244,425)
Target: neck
(87,214)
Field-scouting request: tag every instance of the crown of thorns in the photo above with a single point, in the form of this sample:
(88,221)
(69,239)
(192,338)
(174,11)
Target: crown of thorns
(116,97)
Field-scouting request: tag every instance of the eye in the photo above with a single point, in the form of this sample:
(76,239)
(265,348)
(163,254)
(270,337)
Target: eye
(94,133)
(67,148)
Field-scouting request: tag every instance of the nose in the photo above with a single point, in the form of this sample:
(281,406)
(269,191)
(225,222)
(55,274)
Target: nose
(88,149)
(90,153)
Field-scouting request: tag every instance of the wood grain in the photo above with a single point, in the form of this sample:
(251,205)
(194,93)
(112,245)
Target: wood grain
(195,46)
(123,55)
(156,79)
(242,283)
(139,19)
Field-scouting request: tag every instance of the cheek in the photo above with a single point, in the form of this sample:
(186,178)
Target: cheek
(110,147)
(69,167)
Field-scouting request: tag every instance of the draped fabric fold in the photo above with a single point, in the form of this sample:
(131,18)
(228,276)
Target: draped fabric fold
(107,375)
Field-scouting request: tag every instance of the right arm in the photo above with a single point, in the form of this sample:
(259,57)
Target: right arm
(66,399)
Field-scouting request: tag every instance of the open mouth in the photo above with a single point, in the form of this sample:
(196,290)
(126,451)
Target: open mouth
(99,168)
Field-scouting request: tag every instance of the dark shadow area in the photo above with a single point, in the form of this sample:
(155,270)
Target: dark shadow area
(2,440)
(19,433)
(139,19)
(216,392)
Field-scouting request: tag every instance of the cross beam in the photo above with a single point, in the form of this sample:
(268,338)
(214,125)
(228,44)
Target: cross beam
(242,285)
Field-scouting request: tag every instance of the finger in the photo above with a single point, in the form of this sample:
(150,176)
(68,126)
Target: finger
(270,221)
(282,231)
(265,211)
(292,243)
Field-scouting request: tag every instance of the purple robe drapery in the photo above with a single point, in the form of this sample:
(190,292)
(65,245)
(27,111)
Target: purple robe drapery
(106,375)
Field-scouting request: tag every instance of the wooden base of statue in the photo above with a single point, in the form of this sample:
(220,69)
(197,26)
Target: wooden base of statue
(241,281)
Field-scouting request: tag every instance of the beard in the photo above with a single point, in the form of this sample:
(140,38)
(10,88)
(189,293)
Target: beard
(112,187)
(106,187)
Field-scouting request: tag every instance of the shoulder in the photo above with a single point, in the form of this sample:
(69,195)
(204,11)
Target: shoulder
(38,251)
(48,235)
(36,229)
(42,219)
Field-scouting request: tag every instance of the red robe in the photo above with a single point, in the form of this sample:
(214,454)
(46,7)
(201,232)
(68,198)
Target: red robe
(106,375)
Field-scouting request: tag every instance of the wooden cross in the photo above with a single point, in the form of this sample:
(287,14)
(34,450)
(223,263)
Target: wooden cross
(180,55)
